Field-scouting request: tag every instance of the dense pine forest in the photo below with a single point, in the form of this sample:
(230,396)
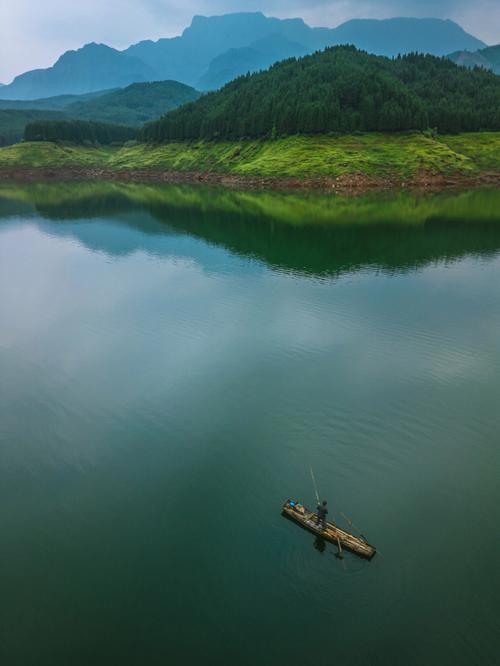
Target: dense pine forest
(340,89)
(14,121)
(79,131)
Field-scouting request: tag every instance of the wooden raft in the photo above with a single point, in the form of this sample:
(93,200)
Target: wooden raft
(308,520)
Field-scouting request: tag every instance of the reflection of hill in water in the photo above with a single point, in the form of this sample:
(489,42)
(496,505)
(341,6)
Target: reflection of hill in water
(312,234)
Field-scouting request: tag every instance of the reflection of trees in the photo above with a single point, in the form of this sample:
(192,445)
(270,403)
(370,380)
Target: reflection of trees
(312,234)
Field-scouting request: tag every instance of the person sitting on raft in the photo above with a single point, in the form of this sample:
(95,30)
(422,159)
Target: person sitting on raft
(322,511)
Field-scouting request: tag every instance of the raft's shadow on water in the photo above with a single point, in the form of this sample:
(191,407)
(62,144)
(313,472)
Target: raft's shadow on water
(320,545)
(349,565)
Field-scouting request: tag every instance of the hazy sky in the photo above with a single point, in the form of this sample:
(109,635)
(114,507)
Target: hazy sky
(33,33)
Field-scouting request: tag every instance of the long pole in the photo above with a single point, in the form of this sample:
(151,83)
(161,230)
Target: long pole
(352,525)
(314,484)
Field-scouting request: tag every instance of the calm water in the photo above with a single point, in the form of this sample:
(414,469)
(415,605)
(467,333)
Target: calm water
(173,360)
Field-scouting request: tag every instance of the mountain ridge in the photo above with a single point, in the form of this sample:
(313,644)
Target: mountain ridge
(187,58)
(91,68)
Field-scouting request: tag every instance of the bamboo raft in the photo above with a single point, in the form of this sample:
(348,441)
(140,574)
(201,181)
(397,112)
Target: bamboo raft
(341,538)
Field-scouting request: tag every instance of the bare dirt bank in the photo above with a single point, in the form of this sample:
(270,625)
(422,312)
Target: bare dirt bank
(345,183)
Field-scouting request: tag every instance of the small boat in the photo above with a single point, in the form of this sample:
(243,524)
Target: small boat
(308,520)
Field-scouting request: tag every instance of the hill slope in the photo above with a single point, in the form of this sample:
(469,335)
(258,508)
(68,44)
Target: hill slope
(340,89)
(135,104)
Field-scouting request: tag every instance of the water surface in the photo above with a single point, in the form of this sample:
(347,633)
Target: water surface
(173,360)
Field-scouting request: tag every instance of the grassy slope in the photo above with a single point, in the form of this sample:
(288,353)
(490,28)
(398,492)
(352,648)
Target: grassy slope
(390,155)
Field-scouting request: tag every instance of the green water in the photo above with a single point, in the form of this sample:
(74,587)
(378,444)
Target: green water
(172,361)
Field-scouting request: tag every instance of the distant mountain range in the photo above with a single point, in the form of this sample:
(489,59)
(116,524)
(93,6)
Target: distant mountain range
(214,50)
(259,55)
(52,103)
(488,58)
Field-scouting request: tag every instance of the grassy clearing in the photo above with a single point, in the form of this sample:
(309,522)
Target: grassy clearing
(51,155)
(480,148)
(378,155)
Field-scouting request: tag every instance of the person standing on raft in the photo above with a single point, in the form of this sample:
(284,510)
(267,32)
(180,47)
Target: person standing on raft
(322,511)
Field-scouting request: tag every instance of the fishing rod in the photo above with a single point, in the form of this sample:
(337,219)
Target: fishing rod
(316,489)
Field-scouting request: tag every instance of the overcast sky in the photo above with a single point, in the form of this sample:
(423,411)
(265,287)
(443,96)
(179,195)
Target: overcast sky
(33,33)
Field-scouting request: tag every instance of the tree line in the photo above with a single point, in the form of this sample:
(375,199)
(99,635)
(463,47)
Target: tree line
(78,131)
(340,89)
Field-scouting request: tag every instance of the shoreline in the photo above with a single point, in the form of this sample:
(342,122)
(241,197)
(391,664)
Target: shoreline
(354,183)
(347,163)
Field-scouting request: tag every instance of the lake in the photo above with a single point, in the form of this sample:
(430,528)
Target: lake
(173,360)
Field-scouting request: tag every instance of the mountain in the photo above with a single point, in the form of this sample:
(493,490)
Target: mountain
(197,58)
(186,58)
(135,104)
(340,89)
(93,67)
(488,58)
(259,55)
(389,37)
(214,48)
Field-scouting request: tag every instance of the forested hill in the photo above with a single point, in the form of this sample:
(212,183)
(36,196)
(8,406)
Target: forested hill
(135,104)
(340,89)
(131,106)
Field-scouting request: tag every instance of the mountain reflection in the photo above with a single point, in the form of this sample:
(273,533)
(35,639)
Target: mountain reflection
(312,234)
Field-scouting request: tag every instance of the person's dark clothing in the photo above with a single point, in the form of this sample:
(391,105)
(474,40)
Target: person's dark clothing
(322,513)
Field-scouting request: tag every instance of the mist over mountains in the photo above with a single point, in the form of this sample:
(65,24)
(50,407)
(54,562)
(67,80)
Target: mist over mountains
(214,50)
(488,58)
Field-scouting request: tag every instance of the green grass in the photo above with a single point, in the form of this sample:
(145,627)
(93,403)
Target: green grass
(378,155)
(50,155)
